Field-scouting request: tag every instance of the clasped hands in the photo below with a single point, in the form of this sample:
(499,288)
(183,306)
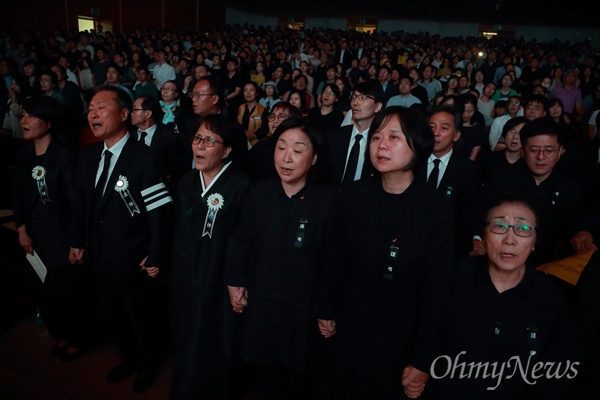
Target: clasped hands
(413,381)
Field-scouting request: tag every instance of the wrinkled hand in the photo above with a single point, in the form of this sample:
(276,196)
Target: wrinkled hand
(413,381)
(327,327)
(152,271)
(238,295)
(583,242)
(76,255)
(478,248)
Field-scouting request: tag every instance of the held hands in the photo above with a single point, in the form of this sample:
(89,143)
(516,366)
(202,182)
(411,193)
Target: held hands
(583,242)
(238,295)
(152,271)
(76,255)
(413,381)
(327,327)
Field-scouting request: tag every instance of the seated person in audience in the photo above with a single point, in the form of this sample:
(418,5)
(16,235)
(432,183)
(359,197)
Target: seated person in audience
(511,156)
(143,86)
(513,109)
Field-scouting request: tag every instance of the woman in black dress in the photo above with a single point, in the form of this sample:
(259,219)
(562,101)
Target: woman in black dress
(44,200)
(279,261)
(501,312)
(395,242)
(208,202)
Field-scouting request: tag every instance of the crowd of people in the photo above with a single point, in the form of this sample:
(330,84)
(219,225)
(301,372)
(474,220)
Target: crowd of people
(312,214)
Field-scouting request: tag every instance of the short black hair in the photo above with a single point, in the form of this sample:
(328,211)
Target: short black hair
(414,126)
(371,87)
(520,196)
(153,105)
(227,129)
(541,126)
(122,97)
(317,172)
(47,109)
(450,110)
(511,123)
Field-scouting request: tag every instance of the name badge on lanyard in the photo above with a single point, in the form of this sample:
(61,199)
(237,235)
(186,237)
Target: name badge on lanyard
(393,257)
(301,231)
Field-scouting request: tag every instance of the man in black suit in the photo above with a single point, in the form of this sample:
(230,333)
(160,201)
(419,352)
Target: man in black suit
(451,174)
(348,147)
(344,56)
(147,116)
(123,218)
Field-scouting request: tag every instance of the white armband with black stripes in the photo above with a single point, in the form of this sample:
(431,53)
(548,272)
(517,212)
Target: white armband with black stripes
(156,196)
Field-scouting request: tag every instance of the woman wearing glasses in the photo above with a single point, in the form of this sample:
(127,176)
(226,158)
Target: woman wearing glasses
(176,108)
(502,309)
(208,202)
(260,156)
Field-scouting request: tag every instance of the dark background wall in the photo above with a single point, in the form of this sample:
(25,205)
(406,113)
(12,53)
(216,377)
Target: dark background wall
(124,14)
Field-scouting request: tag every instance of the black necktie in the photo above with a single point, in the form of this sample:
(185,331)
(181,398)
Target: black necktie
(435,173)
(143,137)
(269,105)
(99,191)
(353,159)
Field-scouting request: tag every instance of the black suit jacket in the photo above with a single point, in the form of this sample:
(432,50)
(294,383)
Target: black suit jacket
(460,182)
(117,241)
(459,185)
(390,91)
(49,224)
(346,60)
(338,143)
(170,151)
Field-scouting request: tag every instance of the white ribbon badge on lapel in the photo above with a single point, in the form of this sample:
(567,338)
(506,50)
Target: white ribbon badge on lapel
(214,202)
(39,174)
(122,187)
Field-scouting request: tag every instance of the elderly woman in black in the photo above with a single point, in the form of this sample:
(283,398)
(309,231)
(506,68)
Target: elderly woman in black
(395,252)
(208,202)
(507,329)
(279,260)
(43,201)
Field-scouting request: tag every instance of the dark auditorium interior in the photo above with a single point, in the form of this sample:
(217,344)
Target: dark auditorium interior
(26,369)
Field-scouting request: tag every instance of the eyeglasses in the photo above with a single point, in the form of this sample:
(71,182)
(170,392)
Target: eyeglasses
(280,117)
(208,141)
(361,97)
(521,230)
(515,103)
(329,93)
(167,89)
(196,95)
(532,107)
(548,151)
(138,109)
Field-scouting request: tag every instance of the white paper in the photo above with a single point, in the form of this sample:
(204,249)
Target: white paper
(37,265)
